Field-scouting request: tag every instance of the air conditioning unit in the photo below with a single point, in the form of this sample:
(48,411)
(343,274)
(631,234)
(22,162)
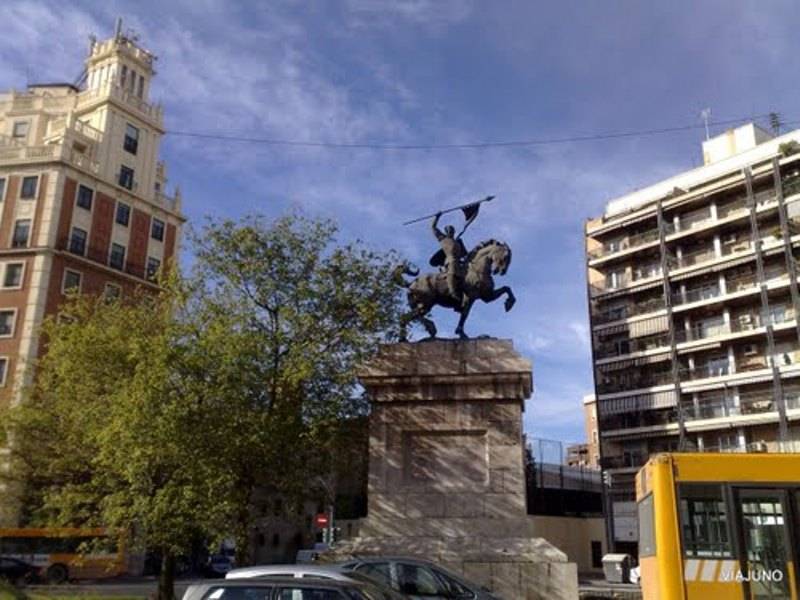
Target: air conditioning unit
(750,350)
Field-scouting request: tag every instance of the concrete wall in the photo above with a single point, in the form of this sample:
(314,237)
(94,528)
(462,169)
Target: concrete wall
(573,536)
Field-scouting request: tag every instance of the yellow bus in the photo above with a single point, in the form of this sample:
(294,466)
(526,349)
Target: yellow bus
(63,553)
(719,526)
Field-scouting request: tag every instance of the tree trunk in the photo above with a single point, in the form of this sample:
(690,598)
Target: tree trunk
(166,580)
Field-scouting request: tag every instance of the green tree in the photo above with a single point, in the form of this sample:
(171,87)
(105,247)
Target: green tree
(119,428)
(311,310)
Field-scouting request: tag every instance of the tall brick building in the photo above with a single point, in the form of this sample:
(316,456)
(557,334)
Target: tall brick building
(83,200)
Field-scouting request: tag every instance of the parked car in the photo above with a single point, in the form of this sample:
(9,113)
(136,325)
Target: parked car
(325,572)
(17,571)
(288,588)
(418,578)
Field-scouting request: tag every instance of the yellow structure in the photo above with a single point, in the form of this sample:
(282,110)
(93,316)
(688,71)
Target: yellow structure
(721,526)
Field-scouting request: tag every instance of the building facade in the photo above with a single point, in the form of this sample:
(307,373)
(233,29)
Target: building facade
(82,196)
(592,431)
(693,295)
(83,201)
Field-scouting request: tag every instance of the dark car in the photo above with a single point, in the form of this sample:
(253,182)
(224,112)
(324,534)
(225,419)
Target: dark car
(290,588)
(17,571)
(418,578)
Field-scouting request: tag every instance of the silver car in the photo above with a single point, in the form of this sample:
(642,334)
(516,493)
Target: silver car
(418,578)
(286,588)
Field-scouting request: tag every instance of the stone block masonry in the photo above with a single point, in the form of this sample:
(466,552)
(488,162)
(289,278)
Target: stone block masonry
(446,475)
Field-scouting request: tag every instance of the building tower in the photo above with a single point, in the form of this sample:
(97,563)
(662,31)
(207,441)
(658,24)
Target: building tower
(694,306)
(83,200)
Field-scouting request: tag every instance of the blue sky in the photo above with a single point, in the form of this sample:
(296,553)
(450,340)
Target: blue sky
(440,72)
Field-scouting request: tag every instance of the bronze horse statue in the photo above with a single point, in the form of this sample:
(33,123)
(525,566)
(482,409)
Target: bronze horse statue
(488,258)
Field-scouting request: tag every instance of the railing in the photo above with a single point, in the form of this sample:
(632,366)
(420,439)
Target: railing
(169,201)
(61,125)
(7,140)
(704,371)
(113,90)
(633,241)
(629,310)
(24,153)
(640,418)
(633,381)
(629,346)
(791,185)
(633,459)
(705,292)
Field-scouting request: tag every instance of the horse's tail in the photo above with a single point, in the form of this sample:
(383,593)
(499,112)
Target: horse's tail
(404,268)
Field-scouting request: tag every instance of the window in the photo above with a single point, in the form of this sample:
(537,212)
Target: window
(72,281)
(418,581)
(28,191)
(704,521)
(117,258)
(378,571)
(112,291)
(20,130)
(126,177)
(307,593)
(13,275)
(7,318)
(131,143)
(22,230)
(124,75)
(647,533)
(2,189)
(123,214)
(77,241)
(3,370)
(157,230)
(140,90)
(455,589)
(257,592)
(84,199)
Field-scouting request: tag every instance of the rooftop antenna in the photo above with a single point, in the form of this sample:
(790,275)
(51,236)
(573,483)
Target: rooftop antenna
(118,29)
(705,114)
(775,122)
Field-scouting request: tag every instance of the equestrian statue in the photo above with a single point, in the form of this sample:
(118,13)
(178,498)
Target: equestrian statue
(463,276)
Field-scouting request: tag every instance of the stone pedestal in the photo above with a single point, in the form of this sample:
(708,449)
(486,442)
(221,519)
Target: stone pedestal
(446,474)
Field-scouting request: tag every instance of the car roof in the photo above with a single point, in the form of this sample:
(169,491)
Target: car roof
(309,570)
(273,581)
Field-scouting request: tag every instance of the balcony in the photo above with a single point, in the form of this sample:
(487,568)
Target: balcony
(629,310)
(62,127)
(111,90)
(632,380)
(632,345)
(705,371)
(628,243)
(624,461)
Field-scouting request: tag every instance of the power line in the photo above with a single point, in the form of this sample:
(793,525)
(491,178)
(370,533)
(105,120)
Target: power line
(465,146)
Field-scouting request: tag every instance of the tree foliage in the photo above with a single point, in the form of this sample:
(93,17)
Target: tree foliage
(164,414)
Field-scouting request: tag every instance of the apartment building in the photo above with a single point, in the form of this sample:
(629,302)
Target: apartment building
(83,202)
(693,296)
(592,431)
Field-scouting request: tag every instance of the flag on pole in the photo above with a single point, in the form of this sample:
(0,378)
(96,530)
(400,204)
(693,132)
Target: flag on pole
(471,210)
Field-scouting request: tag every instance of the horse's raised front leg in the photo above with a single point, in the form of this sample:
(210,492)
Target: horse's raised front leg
(463,319)
(510,297)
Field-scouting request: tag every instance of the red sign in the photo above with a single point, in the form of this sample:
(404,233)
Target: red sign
(321,520)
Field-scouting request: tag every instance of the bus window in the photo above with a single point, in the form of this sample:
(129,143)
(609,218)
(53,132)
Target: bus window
(704,521)
(647,525)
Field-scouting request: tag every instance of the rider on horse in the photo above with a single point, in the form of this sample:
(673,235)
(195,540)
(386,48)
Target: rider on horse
(451,255)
